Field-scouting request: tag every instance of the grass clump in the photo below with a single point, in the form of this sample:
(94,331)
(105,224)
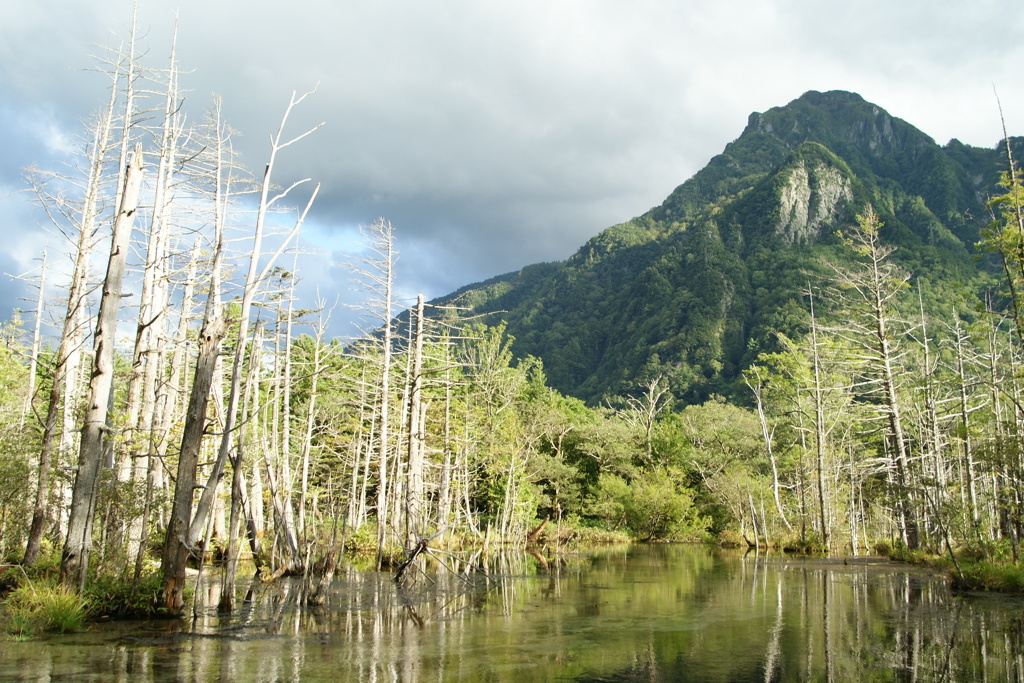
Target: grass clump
(574,534)
(989,576)
(35,607)
(809,545)
(118,598)
(901,553)
(971,568)
(362,541)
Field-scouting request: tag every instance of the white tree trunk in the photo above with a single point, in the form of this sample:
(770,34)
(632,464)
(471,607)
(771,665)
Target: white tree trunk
(74,560)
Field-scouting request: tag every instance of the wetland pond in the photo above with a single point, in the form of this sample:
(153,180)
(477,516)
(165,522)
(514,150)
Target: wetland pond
(636,613)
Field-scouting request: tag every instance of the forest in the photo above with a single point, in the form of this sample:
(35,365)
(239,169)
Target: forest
(175,409)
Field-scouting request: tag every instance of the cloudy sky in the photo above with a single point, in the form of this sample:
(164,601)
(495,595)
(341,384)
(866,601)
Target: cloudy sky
(493,134)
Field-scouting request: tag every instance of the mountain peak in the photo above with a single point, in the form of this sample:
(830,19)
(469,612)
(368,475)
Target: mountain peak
(863,133)
(695,288)
(866,137)
(830,101)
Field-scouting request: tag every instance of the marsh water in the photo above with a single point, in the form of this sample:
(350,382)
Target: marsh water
(637,613)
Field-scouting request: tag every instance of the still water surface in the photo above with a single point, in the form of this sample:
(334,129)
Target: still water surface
(638,613)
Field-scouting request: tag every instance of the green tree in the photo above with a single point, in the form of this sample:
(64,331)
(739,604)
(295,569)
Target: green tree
(1005,236)
(15,494)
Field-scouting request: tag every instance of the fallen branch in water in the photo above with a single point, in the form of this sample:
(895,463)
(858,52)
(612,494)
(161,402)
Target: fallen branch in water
(531,537)
(422,546)
(411,556)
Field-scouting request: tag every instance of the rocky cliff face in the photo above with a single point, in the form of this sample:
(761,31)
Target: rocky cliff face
(809,199)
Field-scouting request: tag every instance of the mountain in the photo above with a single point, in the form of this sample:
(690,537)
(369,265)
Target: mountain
(697,286)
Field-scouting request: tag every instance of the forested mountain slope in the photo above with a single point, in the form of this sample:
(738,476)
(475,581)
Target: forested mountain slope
(695,288)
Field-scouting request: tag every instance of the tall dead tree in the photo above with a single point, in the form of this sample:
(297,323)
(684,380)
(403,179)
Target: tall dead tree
(870,289)
(176,548)
(187,525)
(74,560)
(254,277)
(33,359)
(417,436)
(314,369)
(153,295)
(820,429)
(753,377)
(83,222)
(148,356)
(376,275)
(642,411)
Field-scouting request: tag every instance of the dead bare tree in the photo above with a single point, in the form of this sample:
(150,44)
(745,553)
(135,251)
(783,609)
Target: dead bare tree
(187,525)
(74,559)
(870,289)
(176,548)
(416,438)
(83,224)
(376,274)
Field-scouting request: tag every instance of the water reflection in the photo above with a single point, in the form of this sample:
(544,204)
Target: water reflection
(643,613)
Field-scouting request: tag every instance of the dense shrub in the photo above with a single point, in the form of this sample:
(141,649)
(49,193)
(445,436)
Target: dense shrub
(653,507)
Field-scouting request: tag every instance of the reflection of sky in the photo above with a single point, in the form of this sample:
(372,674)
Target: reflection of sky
(494,135)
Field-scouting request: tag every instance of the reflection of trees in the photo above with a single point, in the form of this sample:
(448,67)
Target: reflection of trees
(642,613)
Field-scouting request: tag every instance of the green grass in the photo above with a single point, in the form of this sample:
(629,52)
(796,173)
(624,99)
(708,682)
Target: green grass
(989,576)
(35,607)
(971,571)
(119,598)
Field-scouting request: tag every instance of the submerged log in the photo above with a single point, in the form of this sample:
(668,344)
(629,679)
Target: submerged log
(330,564)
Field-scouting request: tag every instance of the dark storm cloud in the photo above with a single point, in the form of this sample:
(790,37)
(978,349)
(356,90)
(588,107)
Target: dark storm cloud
(497,134)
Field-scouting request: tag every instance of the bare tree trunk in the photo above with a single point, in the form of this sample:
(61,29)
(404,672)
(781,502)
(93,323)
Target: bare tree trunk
(74,560)
(873,286)
(820,433)
(320,331)
(175,384)
(380,273)
(907,516)
(965,428)
(444,486)
(854,542)
(150,338)
(169,400)
(186,527)
(414,486)
(282,431)
(250,392)
(367,449)
(65,361)
(177,547)
(753,380)
(253,278)
(286,412)
(33,362)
